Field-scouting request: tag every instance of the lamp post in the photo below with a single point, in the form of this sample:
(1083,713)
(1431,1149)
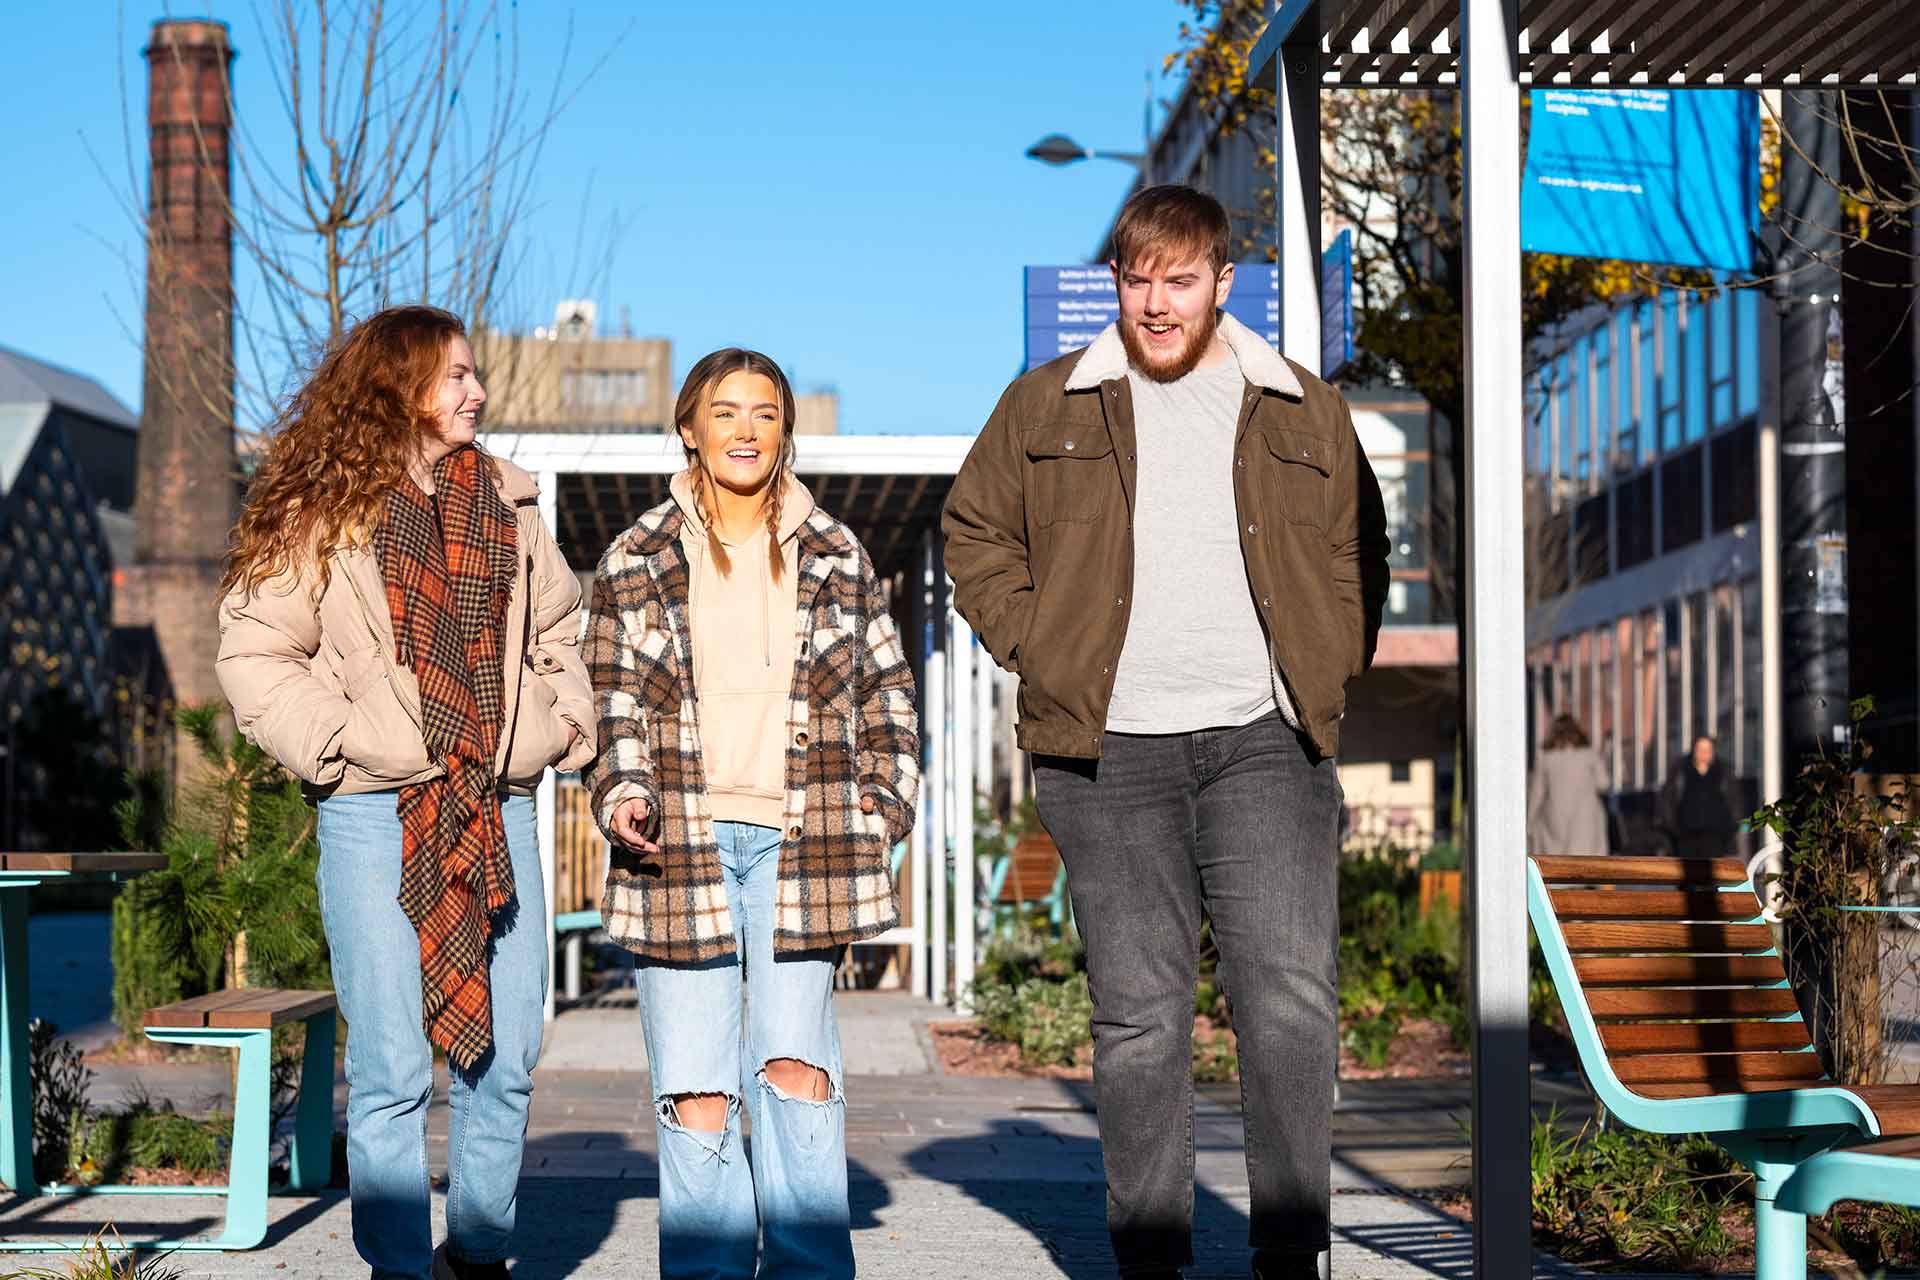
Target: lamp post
(1059,150)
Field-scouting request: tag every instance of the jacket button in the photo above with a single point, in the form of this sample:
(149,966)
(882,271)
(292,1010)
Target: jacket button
(1105,670)
(801,737)
(793,833)
(1266,602)
(1119,601)
(1241,462)
(1306,453)
(1069,446)
(1254,527)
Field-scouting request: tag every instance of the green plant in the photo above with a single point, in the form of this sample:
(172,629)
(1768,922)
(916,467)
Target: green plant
(1839,838)
(147,1135)
(237,898)
(60,1081)
(98,1260)
(1058,1021)
(1215,1058)
(1445,855)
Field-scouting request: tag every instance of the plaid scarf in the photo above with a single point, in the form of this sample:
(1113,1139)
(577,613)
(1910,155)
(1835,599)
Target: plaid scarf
(449,576)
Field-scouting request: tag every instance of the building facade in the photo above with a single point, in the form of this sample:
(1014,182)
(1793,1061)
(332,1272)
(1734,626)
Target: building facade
(570,378)
(1643,465)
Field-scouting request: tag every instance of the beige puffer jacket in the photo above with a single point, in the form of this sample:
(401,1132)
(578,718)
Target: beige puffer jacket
(314,682)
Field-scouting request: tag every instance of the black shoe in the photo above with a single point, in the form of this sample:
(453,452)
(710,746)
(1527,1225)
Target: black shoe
(449,1266)
(1268,1264)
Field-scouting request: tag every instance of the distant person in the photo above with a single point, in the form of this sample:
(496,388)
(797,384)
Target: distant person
(1565,813)
(1700,805)
(1174,538)
(401,632)
(760,756)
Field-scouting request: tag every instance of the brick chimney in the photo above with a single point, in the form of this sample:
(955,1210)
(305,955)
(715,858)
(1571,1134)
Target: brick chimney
(185,497)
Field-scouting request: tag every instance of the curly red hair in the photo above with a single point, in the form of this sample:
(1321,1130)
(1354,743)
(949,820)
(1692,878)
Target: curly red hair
(340,445)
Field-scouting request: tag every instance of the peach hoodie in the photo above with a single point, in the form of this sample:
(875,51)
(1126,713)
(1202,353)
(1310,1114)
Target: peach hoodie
(744,651)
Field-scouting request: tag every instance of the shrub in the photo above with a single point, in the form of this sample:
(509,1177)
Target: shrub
(60,1080)
(147,1135)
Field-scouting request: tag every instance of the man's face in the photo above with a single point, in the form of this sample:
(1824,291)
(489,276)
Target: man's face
(1169,309)
(1703,755)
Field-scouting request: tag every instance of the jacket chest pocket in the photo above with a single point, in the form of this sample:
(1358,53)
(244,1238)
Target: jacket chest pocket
(1072,469)
(1300,468)
(657,670)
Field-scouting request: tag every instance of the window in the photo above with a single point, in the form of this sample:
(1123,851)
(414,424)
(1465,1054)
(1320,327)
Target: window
(1607,690)
(1646,377)
(1726,654)
(1680,513)
(1672,642)
(1719,317)
(1590,540)
(1633,520)
(1736,482)
(1672,370)
(1748,762)
(1693,347)
(1400,771)
(1699,674)
(1746,376)
(603,388)
(1626,408)
(1583,682)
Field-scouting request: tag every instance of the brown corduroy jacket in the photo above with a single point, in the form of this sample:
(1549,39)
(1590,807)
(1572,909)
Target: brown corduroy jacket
(1039,537)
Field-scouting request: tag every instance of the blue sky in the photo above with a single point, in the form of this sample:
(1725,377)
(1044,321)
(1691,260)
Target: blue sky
(839,184)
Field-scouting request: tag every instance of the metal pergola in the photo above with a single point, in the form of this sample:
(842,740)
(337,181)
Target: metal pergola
(1486,50)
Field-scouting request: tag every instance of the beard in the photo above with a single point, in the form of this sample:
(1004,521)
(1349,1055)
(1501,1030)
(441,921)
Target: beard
(1182,362)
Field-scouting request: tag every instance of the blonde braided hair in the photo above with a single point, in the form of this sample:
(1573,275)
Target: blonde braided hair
(689,413)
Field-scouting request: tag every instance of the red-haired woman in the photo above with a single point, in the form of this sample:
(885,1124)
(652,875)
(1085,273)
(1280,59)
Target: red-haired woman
(400,630)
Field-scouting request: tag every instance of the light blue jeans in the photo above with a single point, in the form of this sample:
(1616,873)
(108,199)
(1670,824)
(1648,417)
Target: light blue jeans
(376,973)
(716,1201)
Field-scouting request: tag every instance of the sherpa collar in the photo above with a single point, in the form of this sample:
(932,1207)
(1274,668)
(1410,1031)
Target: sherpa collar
(1260,364)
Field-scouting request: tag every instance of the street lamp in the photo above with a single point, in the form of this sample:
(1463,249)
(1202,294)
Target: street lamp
(1058,149)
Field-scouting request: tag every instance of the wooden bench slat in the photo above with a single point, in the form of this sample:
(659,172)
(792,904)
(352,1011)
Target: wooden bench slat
(271,1009)
(1691,1003)
(1668,871)
(1675,1068)
(1661,904)
(186,1013)
(1658,971)
(247,1009)
(1667,937)
(1625,1039)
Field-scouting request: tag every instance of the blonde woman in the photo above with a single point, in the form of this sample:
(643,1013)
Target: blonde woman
(400,630)
(759,761)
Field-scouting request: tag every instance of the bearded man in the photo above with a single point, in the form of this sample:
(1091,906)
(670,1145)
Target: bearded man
(1175,540)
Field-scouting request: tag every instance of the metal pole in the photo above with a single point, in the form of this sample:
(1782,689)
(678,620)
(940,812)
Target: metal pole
(922,839)
(1812,454)
(960,655)
(934,729)
(986,778)
(546,813)
(1297,190)
(1496,639)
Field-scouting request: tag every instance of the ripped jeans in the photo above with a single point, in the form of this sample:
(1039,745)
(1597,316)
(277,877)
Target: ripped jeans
(715,1207)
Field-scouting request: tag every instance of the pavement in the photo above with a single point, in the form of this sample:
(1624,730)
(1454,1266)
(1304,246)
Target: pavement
(950,1176)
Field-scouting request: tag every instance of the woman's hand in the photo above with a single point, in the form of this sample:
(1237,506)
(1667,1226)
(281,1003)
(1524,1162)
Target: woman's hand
(630,825)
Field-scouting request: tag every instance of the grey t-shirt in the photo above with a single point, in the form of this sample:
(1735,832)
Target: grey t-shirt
(1195,656)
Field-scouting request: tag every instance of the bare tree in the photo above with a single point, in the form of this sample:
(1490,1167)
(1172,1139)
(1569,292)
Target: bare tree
(401,167)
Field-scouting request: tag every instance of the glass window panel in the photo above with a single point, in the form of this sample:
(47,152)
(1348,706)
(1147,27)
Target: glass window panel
(1607,695)
(1698,689)
(1746,377)
(1603,400)
(1647,374)
(1625,410)
(1672,370)
(1693,355)
(1680,506)
(1563,684)
(1720,338)
(1582,421)
(1726,641)
(1676,724)
(1583,682)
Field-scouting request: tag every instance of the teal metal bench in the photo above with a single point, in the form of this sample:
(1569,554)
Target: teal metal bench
(1680,1009)
(1028,876)
(243,1021)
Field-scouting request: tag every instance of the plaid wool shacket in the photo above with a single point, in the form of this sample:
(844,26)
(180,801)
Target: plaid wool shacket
(449,575)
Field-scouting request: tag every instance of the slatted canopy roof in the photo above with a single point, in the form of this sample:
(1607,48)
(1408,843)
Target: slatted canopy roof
(1621,43)
(889,489)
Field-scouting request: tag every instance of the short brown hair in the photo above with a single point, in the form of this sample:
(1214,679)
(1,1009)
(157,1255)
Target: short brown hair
(1170,220)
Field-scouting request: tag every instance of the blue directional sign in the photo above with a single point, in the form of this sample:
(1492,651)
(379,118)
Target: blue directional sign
(1067,307)
(1643,175)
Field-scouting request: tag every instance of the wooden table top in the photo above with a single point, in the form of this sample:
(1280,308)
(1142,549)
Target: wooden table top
(80,863)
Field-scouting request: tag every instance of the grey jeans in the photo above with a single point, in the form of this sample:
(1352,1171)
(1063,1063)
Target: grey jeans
(1239,824)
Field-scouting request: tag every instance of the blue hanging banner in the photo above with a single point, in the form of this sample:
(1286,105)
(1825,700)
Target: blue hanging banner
(1644,175)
